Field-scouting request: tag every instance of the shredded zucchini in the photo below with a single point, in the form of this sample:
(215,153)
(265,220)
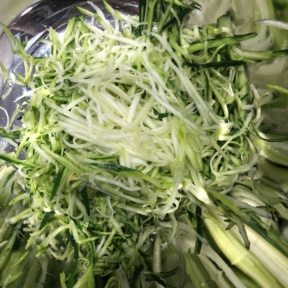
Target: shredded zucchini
(140,158)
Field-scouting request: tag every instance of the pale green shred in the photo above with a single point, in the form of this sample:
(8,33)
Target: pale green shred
(140,148)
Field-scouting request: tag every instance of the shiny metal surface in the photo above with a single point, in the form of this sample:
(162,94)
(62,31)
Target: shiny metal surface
(54,13)
(9,9)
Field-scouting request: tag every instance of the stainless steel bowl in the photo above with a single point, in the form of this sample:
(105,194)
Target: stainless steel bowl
(32,25)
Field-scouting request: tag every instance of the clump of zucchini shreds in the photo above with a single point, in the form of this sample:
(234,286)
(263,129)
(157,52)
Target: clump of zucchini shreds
(140,162)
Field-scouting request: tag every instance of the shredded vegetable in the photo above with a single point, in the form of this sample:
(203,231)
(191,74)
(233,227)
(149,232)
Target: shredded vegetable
(141,152)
